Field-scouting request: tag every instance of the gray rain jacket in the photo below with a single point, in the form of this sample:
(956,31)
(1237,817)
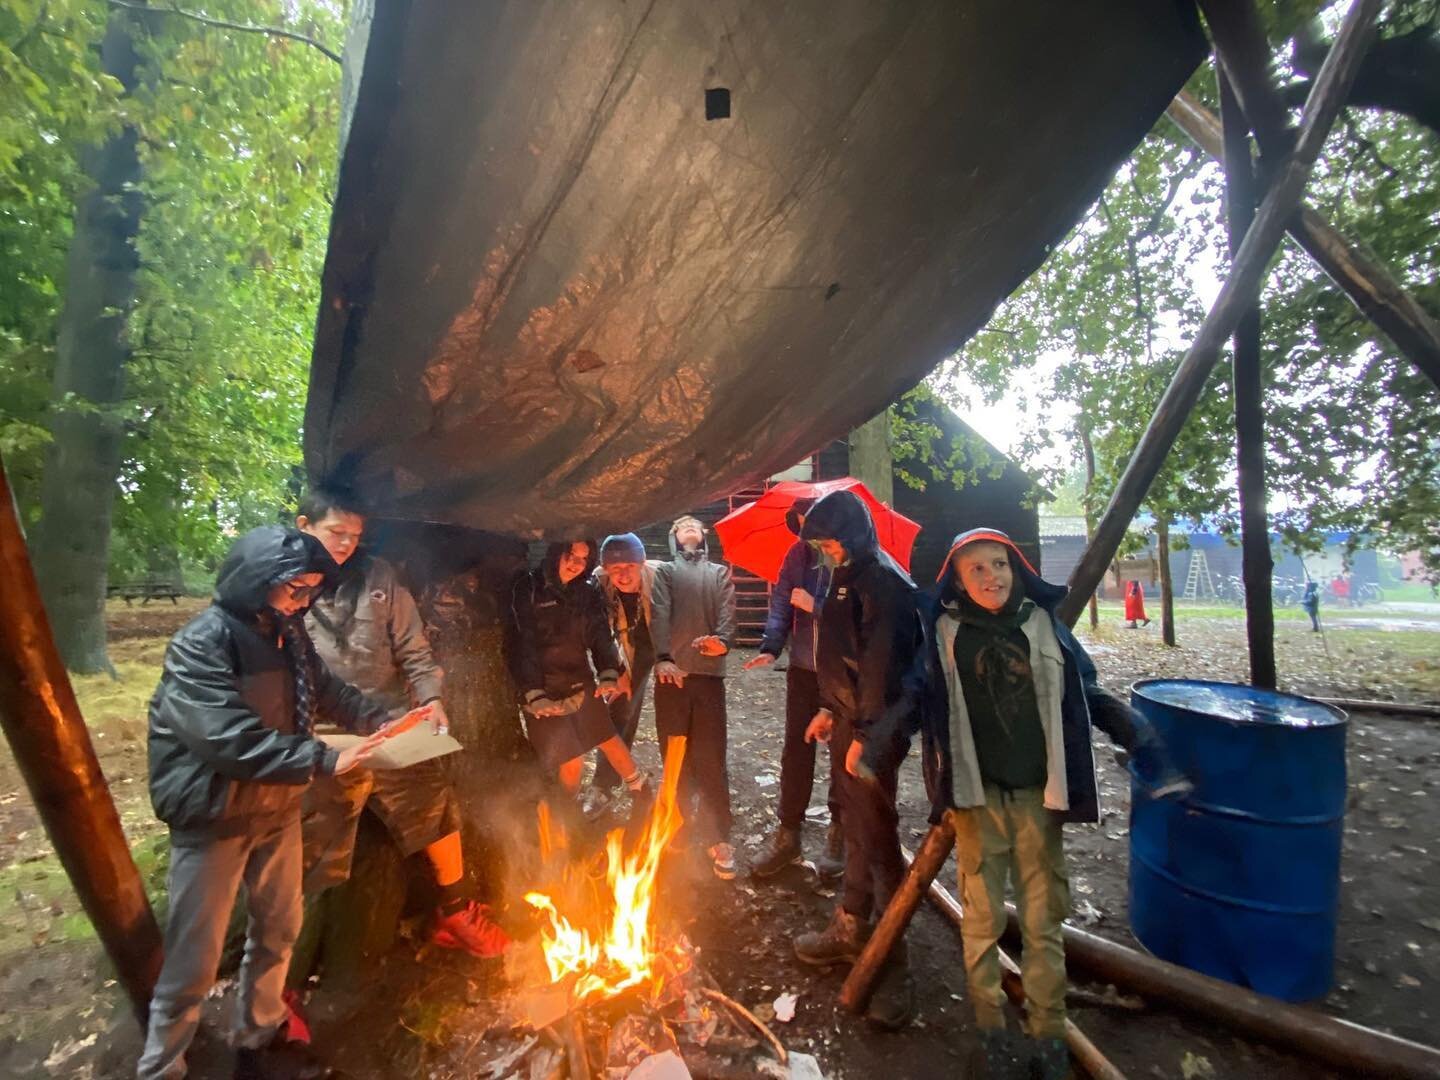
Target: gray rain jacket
(224,747)
(693,598)
(369,633)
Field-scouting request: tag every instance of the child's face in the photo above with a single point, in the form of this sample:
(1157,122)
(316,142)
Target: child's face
(572,563)
(339,530)
(983,571)
(625,576)
(290,597)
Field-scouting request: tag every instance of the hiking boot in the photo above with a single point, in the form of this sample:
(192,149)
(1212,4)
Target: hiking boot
(831,865)
(722,860)
(281,1060)
(1002,1055)
(1052,1062)
(782,851)
(839,943)
(470,927)
(892,1003)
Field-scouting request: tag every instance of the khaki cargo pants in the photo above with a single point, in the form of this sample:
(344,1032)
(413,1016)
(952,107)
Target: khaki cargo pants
(1013,835)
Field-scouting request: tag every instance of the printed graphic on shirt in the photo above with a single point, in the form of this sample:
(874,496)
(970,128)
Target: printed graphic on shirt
(1002,668)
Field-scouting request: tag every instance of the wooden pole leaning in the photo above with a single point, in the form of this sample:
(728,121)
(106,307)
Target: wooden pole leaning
(1369,284)
(52,748)
(859,984)
(1240,289)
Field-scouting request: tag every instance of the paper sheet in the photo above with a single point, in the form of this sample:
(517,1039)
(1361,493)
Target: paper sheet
(418,744)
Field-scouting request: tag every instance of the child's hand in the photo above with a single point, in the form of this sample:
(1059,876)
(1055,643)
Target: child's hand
(763,659)
(855,764)
(353,756)
(710,645)
(667,671)
(821,725)
(802,599)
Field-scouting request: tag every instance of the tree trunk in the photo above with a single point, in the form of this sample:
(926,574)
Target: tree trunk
(1089,505)
(871,460)
(71,543)
(1257,564)
(1167,585)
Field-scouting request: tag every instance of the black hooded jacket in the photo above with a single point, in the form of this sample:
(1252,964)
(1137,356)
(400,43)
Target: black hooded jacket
(869,629)
(557,630)
(224,747)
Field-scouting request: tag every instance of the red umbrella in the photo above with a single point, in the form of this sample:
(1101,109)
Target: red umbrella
(756,538)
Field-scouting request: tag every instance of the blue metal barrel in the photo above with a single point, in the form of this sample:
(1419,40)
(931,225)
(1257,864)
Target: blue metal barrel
(1241,879)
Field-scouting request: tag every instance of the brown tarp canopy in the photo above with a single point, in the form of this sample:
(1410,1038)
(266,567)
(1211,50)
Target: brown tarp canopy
(558,298)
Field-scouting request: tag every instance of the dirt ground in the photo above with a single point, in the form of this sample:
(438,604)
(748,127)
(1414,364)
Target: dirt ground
(64,1015)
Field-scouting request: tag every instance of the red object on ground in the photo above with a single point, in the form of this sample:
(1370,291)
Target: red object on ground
(1135,602)
(471,929)
(297,1028)
(755,536)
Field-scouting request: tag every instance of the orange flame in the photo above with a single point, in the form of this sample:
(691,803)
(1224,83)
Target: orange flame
(605,964)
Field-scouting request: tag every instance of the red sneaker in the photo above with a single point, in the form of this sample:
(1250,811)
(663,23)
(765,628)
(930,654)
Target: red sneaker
(295,1028)
(470,928)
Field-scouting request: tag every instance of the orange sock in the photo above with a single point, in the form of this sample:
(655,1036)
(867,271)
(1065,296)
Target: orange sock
(445,855)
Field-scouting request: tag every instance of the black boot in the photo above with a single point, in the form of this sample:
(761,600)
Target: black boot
(892,1003)
(1052,1060)
(281,1060)
(783,850)
(1003,1058)
(831,865)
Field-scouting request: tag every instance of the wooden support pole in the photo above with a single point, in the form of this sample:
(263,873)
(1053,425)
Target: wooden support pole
(1244,55)
(1096,1064)
(1257,565)
(1240,289)
(52,748)
(1300,1030)
(939,842)
(1369,285)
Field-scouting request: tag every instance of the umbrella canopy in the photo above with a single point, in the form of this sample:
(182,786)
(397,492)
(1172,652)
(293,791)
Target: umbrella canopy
(756,537)
(594,263)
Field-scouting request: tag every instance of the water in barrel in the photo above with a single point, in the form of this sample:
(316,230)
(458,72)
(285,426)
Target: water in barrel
(1241,879)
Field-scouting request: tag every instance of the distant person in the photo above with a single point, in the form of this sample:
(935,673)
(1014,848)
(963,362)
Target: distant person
(565,664)
(1340,587)
(1135,604)
(1311,603)
(793,619)
(232,751)
(627,582)
(869,638)
(369,632)
(1009,696)
(693,624)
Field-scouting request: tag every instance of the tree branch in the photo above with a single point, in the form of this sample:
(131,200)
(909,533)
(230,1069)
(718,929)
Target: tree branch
(223,24)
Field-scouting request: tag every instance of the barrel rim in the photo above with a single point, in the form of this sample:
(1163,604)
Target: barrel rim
(1337,716)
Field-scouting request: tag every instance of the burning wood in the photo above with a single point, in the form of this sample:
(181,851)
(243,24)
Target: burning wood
(606,992)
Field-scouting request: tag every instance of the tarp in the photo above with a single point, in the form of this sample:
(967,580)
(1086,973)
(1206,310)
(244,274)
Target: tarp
(558,299)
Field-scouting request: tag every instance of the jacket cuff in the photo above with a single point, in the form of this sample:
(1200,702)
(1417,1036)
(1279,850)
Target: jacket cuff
(609,675)
(325,766)
(532,696)
(664,658)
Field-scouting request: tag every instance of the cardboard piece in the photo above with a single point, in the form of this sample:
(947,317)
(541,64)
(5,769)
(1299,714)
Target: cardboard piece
(400,751)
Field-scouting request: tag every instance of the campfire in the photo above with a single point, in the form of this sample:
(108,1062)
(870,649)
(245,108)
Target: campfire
(605,991)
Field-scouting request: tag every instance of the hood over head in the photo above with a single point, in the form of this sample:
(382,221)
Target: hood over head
(704,549)
(842,516)
(262,559)
(551,565)
(1033,585)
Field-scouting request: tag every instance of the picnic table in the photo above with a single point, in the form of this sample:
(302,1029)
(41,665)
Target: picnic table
(147,589)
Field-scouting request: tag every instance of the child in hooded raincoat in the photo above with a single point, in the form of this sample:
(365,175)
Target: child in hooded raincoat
(1007,698)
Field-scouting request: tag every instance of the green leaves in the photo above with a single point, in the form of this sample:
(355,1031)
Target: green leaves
(237,138)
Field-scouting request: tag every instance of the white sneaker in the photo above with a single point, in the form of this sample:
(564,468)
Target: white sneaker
(722,860)
(594,802)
